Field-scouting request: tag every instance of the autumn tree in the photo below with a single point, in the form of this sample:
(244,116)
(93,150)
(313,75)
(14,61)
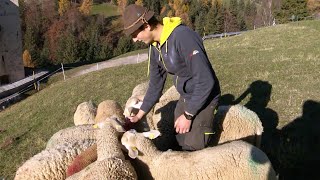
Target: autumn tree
(64,5)
(86,6)
(27,61)
(313,6)
(139,2)
(122,5)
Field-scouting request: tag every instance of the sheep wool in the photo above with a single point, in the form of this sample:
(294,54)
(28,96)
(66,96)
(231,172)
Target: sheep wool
(235,160)
(107,109)
(72,134)
(237,122)
(85,113)
(111,163)
(110,168)
(51,163)
(83,160)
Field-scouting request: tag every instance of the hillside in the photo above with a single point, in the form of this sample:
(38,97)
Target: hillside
(282,63)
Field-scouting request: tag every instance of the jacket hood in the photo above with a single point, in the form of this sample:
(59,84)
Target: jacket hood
(169,24)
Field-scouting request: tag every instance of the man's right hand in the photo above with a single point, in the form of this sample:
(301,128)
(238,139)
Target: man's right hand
(137,117)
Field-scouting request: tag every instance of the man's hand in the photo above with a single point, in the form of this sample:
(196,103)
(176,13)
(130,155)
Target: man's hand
(137,117)
(182,125)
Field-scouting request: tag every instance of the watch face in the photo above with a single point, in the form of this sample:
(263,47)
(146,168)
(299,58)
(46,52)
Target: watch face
(189,117)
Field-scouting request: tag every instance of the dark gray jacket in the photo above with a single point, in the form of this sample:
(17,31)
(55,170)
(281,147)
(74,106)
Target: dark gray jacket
(182,55)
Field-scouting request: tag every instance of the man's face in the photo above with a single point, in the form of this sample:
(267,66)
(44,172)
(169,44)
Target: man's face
(143,34)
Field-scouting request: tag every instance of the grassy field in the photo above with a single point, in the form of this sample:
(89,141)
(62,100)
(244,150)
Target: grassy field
(275,69)
(105,9)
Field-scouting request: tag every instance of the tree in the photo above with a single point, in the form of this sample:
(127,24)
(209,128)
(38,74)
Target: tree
(64,5)
(27,61)
(250,13)
(210,24)
(240,16)
(153,5)
(122,5)
(199,23)
(139,2)
(124,45)
(68,48)
(86,6)
(292,10)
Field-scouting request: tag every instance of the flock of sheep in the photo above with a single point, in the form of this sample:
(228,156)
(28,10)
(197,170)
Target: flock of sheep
(101,146)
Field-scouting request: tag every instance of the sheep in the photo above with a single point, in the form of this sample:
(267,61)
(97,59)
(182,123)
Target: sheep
(107,109)
(235,160)
(85,113)
(230,123)
(72,134)
(237,122)
(133,104)
(51,163)
(111,163)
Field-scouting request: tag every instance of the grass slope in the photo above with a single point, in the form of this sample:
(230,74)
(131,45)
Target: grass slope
(285,56)
(105,9)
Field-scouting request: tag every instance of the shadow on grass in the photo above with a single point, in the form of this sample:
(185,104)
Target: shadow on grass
(294,149)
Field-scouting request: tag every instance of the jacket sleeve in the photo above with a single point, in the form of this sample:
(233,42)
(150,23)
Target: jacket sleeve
(191,49)
(158,77)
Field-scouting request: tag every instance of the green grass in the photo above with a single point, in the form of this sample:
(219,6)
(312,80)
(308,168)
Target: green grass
(105,9)
(69,73)
(286,56)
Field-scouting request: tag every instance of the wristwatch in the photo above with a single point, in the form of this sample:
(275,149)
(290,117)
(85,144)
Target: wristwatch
(188,116)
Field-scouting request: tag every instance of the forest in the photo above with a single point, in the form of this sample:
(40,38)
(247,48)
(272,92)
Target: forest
(68,31)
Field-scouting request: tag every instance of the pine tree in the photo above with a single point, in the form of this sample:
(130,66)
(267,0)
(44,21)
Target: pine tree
(153,5)
(68,48)
(219,18)
(199,24)
(250,13)
(292,10)
(210,24)
(240,16)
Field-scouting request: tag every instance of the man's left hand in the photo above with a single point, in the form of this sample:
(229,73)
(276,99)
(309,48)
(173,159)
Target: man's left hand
(182,125)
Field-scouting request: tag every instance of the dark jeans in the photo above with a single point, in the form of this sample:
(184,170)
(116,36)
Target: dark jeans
(201,128)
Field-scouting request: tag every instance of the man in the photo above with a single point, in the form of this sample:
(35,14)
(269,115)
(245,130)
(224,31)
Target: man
(177,50)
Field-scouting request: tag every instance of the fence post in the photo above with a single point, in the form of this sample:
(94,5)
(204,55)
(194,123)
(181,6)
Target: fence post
(64,76)
(34,84)
(138,57)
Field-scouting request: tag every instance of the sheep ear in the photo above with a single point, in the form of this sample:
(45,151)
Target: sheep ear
(116,124)
(133,152)
(152,134)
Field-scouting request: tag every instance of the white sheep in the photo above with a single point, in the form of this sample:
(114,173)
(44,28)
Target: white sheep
(51,163)
(111,163)
(72,134)
(137,96)
(235,160)
(133,105)
(107,109)
(85,113)
(237,122)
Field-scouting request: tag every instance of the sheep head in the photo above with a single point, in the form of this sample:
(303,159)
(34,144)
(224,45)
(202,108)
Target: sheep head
(113,121)
(132,106)
(130,140)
